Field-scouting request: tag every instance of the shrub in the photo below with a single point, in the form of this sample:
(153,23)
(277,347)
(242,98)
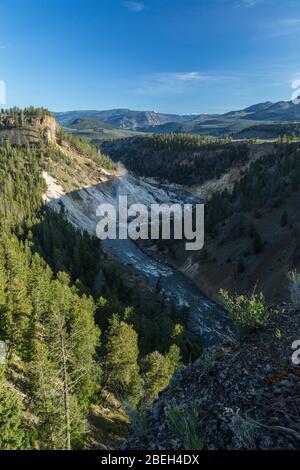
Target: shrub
(159,369)
(294,286)
(184,423)
(248,313)
(137,419)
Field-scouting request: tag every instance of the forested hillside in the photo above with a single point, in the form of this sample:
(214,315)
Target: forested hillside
(250,191)
(88,345)
(179,158)
(71,347)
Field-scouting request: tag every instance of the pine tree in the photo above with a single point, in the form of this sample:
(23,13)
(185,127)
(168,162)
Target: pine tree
(63,373)
(5,321)
(159,370)
(45,399)
(121,361)
(12,432)
(18,301)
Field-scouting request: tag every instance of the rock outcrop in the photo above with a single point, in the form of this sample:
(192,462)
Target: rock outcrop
(244,395)
(28,129)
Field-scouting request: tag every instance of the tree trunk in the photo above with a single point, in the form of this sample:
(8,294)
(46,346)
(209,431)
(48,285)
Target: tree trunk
(66,390)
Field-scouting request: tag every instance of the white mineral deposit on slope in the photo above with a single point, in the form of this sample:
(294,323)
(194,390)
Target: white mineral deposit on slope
(206,318)
(81,206)
(54,190)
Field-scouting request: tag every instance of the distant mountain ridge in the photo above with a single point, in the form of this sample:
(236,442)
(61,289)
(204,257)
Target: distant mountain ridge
(233,122)
(95,130)
(122,118)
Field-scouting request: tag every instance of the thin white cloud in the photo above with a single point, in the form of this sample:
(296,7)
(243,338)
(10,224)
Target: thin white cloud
(181,76)
(175,82)
(135,6)
(249,3)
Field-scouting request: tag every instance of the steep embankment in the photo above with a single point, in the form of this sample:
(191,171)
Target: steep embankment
(74,163)
(251,195)
(183,159)
(238,396)
(244,395)
(35,299)
(79,179)
(252,227)
(18,130)
(207,320)
(47,273)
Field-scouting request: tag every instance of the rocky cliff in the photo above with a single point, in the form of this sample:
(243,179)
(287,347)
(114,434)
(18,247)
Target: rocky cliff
(241,395)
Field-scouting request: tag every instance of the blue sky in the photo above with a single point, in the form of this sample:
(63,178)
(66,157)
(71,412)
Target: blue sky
(181,56)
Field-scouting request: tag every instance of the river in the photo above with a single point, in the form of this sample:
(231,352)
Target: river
(207,320)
